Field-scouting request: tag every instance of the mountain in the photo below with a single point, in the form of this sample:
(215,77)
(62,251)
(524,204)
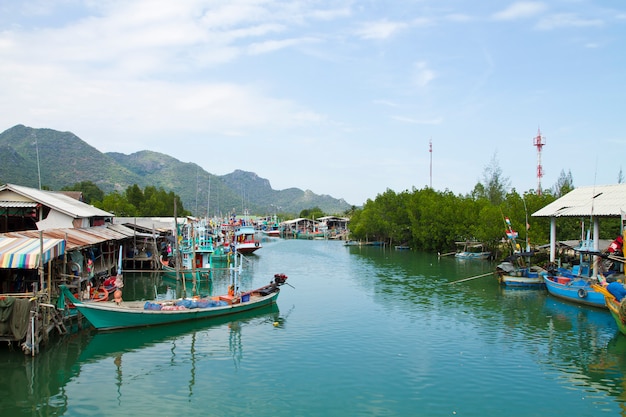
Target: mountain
(65,159)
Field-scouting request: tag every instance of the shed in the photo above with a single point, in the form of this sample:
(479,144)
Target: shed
(45,210)
(590,201)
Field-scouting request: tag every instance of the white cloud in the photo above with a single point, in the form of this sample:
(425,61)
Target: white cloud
(422,74)
(382,29)
(565,20)
(411,120)
(275,45)
(520,10)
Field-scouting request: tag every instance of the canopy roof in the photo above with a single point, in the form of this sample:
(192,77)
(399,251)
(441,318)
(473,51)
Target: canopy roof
(24,253)
(596,200)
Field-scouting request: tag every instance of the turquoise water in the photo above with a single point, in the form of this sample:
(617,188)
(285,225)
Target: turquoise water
(365,332)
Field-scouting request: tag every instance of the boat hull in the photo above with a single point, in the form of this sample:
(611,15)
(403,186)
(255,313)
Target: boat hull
(575,290)
(201,274)
(613,306)
(472,255)
(522,281)
(110,316)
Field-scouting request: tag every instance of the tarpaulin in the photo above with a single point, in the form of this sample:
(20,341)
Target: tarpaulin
(24,253)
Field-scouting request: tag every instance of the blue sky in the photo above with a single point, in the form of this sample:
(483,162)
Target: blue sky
(338,97)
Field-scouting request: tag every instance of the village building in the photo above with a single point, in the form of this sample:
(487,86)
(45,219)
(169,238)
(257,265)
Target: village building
(48,238)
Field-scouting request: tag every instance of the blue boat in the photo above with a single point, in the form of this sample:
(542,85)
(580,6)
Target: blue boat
(569,286)
(511,275)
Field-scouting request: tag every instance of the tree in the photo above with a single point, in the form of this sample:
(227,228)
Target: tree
(312,213)
(563,185)
(91,192)
(495,185)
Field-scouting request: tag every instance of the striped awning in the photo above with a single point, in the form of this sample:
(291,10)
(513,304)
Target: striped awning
(24,253)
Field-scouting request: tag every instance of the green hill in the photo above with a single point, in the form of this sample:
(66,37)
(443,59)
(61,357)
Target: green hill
(65,159)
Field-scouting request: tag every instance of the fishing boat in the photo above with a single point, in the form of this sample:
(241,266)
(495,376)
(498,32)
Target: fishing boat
(516,270)
(574,287)
(511,275)
(472,250)
(614,306)
(131,314)
(244,240)
(576,284)
(193,254)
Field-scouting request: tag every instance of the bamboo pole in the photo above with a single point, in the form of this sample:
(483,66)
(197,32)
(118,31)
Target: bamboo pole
(470,278)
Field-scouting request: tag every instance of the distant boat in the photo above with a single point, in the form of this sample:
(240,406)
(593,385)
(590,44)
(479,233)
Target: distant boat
(194,252)
(472,250)
(271,232)
(244,240)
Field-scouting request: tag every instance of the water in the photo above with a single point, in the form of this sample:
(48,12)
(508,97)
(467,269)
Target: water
(366,331)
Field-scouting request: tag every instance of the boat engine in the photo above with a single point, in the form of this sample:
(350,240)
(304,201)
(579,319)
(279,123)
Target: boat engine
(280,279)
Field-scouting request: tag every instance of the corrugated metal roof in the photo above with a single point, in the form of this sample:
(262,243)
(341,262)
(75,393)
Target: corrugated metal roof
(58,201)
(18,204)
(147,224)
(597,200)
(78,238)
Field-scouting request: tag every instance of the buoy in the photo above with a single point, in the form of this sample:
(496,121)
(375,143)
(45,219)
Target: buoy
(276,324)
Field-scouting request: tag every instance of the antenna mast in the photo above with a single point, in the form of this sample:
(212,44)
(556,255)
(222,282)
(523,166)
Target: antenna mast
(430,149)
(539,142)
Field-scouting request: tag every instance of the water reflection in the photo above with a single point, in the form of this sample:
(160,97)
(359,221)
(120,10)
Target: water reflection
(579,345)
(38,385)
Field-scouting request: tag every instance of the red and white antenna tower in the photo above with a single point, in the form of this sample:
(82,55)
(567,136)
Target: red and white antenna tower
(430,149)
(539,142)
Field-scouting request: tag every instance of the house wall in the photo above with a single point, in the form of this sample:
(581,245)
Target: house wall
(56,220)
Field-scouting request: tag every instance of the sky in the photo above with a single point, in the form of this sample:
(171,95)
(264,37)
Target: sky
(343,98)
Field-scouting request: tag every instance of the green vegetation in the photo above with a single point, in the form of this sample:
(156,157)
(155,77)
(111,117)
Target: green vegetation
(433,221)
(91,192)
(134,202)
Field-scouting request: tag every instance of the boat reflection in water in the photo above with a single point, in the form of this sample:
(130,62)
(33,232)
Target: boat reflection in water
(110,359)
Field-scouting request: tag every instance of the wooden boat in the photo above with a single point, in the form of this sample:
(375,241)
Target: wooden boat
(245,243)
(131,314)
(472,250)
(614,307)
(576,289)
(511,275)
(195,253)
(271,232)
(577,284)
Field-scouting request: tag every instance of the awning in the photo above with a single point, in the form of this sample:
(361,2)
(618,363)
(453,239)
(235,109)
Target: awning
(24,253)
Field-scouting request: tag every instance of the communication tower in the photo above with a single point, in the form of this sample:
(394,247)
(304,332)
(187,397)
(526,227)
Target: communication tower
(539,142)
(430,149)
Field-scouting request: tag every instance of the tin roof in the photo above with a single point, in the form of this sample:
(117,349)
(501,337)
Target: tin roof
(148,224)
(58,201)
(78,238)
(597,200)
(18,204)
